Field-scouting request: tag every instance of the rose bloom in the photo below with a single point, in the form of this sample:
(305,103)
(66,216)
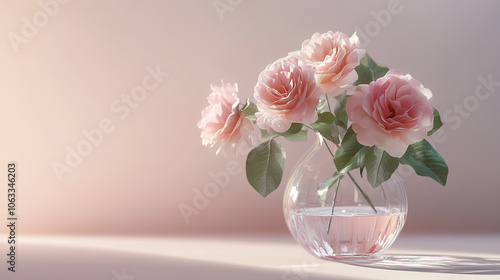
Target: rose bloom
(335,56)
(286,92)
(392,112)
(223,121)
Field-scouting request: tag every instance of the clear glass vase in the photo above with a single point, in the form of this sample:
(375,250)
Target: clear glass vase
(354,230)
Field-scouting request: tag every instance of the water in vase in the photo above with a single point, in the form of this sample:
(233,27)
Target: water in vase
(353,231)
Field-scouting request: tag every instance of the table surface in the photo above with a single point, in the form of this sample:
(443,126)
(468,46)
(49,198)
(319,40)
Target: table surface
(245,257)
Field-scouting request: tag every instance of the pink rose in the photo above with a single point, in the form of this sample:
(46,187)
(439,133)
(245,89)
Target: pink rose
(286,92)
(223,121)
(392,112)
(335,56)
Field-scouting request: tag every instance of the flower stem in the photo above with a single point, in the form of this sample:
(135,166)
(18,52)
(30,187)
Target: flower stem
(310,127)
(354,181)
(328,102)
(333,205)
(362,192)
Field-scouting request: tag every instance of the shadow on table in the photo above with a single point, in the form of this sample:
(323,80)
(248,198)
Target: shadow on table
(46,262)
(433,263)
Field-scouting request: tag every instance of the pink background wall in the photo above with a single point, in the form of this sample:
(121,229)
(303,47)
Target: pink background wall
(70,71)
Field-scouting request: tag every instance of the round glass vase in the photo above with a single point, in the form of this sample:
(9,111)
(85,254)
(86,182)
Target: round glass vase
(352,228)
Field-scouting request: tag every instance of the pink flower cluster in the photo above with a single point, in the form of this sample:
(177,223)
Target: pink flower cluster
(289,89)
(392,112)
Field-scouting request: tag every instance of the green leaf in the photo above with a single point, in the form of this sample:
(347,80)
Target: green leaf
(326,117)
(379,166)
(324,126)
(264,167)
(426,161)
(350,155)
(296,132)
(326,185)
(349,133)
(328,131)
(340,112)
(250,109)
(299,136)
(369,71)
(294,128)
(437,122)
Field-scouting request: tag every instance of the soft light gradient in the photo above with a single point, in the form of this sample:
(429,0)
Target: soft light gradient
(97,70)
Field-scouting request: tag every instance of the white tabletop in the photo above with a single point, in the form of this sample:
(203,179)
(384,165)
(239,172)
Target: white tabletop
(245,257)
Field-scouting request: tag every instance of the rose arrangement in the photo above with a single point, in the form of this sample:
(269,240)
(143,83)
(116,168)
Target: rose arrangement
(379,118)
